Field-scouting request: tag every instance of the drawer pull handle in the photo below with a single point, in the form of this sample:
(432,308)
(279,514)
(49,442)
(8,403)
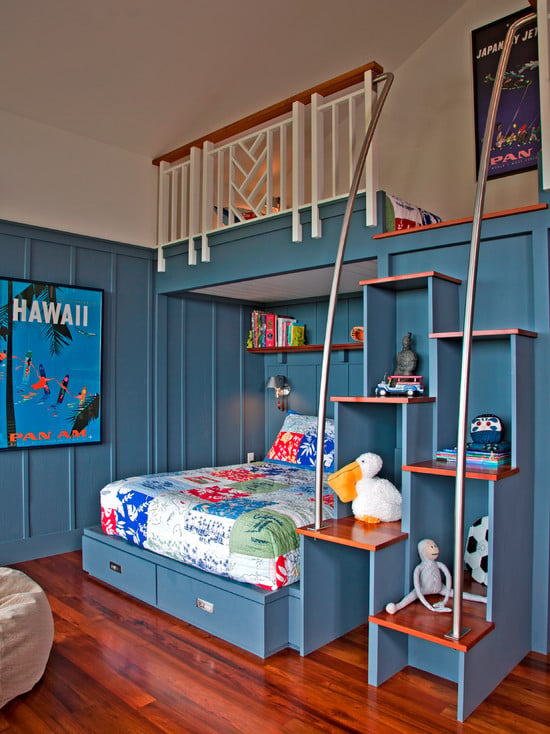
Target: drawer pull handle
(207,606)
(116,567)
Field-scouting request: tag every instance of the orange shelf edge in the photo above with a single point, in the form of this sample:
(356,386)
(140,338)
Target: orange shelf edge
(357,534)
(387,399)
(408,280)
(348,346)
(496,333)
(418,621)
(464,220)
(448,469)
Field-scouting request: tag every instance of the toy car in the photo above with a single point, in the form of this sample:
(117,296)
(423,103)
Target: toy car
(409,385)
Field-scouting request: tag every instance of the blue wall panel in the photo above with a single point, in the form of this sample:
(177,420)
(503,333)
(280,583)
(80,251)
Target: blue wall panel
(50,494)
(13,518)
(49,490)
(214,408)
(132,347)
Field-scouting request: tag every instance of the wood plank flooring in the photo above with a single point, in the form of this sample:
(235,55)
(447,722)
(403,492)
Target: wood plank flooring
(119,666)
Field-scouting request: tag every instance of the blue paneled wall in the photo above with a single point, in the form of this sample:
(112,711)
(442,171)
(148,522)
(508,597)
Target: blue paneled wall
(49,494)
(210,391)
(178,390)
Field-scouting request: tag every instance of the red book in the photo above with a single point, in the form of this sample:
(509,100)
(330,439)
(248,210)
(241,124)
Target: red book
(270,330)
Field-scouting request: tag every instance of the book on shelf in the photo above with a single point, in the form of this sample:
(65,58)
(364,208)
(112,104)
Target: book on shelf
(283,323)
(296,334)
(477,457)
(271,330)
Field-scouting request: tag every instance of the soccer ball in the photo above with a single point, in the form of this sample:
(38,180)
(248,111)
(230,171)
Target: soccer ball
(476,556)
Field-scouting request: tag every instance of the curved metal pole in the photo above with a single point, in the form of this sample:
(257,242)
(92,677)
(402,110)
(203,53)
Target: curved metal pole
(388,79)
(457,630)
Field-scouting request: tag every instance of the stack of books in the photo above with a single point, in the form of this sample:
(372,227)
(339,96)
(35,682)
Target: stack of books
(271,330)
(478,457)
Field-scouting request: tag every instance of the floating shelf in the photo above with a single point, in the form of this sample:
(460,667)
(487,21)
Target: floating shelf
(465,220)
(408,282)
(485,333)
(418,621)
(306,348)
(387,399)
(357,534)
(448,469)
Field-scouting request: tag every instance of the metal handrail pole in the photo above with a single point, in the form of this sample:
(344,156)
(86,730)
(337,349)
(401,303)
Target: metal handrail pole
(387,77)
(457,630)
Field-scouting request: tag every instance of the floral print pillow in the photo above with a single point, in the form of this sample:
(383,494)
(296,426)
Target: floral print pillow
(296,443)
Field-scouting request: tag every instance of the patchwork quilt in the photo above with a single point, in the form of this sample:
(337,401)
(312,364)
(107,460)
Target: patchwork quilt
(237,521)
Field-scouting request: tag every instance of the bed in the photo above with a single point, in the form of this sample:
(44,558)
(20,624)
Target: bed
(211,540)
(237,521)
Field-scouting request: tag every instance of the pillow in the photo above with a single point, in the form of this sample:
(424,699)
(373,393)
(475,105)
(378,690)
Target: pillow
(296,443)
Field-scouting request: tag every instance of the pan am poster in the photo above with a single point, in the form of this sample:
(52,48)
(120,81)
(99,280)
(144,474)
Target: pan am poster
(50,364)
(516,139)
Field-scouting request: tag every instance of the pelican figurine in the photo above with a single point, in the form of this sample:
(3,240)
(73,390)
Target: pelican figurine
(372,498)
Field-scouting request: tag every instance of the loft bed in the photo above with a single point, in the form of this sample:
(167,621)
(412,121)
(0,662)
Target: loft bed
(183,540)
(327,601)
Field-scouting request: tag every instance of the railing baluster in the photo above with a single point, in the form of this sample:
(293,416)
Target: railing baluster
(297,169)
(221,155)
(184,201)
(161,218)
(283,146)
(194,203)
(269,174)
(371,178)
(174,203)
(334,151)
(317,162)
(207,197)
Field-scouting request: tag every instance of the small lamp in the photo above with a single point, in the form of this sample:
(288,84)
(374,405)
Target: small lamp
(282,389)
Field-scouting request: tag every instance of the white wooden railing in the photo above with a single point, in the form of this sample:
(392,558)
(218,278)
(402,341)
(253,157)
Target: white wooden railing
(301,158)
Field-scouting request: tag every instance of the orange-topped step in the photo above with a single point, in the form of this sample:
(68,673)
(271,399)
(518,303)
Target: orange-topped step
(357,534)
(418,621)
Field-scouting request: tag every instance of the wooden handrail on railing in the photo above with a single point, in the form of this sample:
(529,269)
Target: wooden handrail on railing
(270,113)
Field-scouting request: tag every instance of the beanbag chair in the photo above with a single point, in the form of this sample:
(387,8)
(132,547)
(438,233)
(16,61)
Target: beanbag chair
(26,633)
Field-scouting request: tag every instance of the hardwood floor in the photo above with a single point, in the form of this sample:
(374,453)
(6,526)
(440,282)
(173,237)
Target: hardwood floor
(120,666)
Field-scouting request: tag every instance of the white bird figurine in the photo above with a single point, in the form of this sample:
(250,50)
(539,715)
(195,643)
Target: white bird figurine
(373,499)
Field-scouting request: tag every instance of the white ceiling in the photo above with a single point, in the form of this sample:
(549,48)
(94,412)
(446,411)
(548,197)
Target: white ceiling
(295,286)
(150,75)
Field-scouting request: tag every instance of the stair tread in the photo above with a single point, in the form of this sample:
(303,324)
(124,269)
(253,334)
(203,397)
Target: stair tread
(418,621)
(352,532)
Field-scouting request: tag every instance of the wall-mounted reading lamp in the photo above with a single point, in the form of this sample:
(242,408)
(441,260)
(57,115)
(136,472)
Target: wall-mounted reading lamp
(282,389)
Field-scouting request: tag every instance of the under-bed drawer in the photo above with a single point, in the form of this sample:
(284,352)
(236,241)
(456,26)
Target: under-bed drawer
(258,626)
(128,573)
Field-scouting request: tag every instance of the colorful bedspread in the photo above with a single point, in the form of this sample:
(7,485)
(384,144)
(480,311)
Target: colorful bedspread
(238,521)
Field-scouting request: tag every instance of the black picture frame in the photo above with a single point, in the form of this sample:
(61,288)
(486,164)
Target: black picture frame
(50,364)
(517,137)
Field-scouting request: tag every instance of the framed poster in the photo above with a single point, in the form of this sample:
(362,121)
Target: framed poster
(50,364)
(517,136)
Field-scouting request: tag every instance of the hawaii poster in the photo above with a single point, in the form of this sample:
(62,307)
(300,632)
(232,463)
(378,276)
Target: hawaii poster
(517,137)
(50,364)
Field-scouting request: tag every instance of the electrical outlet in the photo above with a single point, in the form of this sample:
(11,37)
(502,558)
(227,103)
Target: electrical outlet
(250,457)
